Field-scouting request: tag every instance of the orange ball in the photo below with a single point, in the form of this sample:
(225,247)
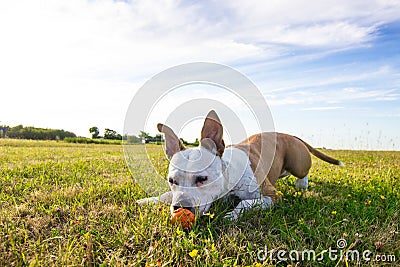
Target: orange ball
(184,217)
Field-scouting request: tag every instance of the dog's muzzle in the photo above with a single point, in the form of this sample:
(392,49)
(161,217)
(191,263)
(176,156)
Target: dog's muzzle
(183,200)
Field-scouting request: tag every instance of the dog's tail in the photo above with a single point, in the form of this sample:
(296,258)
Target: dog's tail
(321,155)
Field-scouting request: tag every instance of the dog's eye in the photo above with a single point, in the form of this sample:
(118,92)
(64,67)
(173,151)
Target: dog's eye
(201,179)
(172,181)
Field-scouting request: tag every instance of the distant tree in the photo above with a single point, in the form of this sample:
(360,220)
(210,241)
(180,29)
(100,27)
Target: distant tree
(196,142)
(34,133)
(184,141)
(94,131)
(110,134)
(15,132)
(133,139)
(144,135)
(158,137)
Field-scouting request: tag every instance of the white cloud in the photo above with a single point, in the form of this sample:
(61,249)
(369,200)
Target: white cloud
(98,37)
(344,95)
(336,34)
(304,11)
(327,76)
(303,23)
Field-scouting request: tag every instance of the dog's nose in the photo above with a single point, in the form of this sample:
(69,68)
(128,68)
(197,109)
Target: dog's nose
(183,200)
(175,207)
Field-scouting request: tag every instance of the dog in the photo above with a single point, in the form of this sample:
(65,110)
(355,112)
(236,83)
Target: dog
(248,170)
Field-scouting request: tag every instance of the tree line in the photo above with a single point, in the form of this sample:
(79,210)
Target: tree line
(108,134)
(21,132)
(157,139)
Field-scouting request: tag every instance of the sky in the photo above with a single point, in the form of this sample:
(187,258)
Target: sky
(328,70)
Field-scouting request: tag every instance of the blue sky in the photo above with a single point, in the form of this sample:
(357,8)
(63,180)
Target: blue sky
(329,70)
(352,96)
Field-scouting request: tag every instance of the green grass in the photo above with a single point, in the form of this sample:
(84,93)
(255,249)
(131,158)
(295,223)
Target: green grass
(66,204)
(84,140)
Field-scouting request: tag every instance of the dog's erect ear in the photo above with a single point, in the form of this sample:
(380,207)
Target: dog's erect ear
(212,129)
(172,143)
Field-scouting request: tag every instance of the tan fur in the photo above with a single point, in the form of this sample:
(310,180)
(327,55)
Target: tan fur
(291,154)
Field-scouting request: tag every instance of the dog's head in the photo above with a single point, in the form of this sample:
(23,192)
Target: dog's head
(196,174)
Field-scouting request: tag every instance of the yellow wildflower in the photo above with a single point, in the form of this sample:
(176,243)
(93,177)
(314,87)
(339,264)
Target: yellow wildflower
(179,232)
(193,253)
(213,248)
(209,214)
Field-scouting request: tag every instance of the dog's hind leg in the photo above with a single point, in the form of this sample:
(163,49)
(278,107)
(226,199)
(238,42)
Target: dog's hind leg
(302,183)
(244,205)
(164,198)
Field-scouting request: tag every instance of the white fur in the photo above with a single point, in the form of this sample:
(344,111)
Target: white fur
(229,175)
(244,205)
(164,198)
(183,168)
(302,183)
(242,182)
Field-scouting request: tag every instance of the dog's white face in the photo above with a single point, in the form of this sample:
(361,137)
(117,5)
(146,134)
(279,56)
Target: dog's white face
(195,174)
(196,179)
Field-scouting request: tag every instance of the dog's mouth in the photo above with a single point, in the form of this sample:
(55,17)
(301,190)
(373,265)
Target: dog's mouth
(176,207)
(198,210)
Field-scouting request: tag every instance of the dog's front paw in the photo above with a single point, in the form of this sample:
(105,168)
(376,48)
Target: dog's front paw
(149,200)
(164,198)
(231,216)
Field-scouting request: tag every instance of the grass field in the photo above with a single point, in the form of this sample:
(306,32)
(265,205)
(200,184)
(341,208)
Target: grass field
(67,204)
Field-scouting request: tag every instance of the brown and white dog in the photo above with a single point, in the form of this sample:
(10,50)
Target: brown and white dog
(248,170)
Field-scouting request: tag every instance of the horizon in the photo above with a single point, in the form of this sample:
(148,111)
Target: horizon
(188,140)
(330,73)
